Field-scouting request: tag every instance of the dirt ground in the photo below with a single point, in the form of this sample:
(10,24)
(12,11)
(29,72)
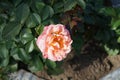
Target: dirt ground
(92,64)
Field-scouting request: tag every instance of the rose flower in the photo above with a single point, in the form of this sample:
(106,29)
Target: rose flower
(54,42)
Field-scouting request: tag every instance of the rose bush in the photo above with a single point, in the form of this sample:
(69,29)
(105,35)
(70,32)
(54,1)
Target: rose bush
(54,42)
(23,21)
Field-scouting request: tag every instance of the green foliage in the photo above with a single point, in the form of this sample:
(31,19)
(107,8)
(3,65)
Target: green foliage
(22,12)
(54,67)
(35,64)
(81,3)
(4,55)
(11,30)
(103,24)
(69,4)
(19,54)
(16,2)
(58,7)
(114,26)
(39,29)
(47,12)
(20,24)
(77,42)
(33,20)
(50,64)
(26,36)
(109,11)
(111,51)
(55,71)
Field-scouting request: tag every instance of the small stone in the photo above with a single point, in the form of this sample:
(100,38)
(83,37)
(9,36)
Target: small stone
(23,75)
(115,75)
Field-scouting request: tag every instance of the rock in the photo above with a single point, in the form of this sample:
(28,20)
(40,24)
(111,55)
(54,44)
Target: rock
(23,75)
(115,75)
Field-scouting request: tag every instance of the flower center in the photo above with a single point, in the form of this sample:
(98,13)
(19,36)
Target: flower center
(57,41)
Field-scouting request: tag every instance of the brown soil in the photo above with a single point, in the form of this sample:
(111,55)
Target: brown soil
(92,64)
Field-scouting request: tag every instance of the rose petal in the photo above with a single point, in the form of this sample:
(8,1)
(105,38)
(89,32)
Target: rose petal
(54,42)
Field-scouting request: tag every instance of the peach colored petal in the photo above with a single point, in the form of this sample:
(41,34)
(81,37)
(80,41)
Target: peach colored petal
(54,42)
(51,55)
(41,42)
(59,58)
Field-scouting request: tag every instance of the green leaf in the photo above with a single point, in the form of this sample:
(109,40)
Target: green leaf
(35,64)
(26,35)
(47,22)
(15,54)
(2,25)
(108,11)
(20,54)
(13,67)
(55,71)
(69,4)
(29,47)
(99,35)
(39,5)
(89,19)
(33,20)
(59,64)
(113,20)
(51,11)
(111,51)
(50,64)
(11,30)
(58,7)
(12,16)
(23,55)
(37,18)
(77,42)
(118,40)
(5,5)
(22,13)
(39,29)
(4,55)
(16,2)
(119,15)
(117,31)
(81,3)
(103,35)
(47,12)
(116,24)
(9,44)
(106,35)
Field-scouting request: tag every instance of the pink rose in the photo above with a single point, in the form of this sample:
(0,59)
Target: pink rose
(54,42)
